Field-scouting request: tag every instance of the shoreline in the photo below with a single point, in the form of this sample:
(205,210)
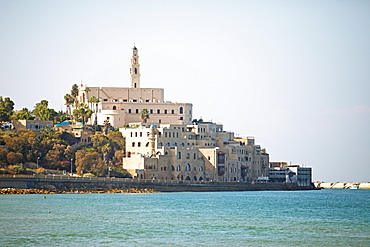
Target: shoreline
(13,191)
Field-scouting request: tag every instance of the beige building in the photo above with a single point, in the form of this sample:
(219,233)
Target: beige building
(121,105)
(196,152)
(31,124)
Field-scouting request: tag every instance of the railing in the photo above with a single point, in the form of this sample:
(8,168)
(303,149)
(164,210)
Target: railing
(118,180)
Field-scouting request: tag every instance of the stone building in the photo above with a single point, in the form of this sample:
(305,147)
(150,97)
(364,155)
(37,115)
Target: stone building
(196,152)
(122,105)
(31,124)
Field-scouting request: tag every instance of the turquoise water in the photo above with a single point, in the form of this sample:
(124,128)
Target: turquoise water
(268,218)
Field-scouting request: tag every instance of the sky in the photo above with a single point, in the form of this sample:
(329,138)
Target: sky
(293,74)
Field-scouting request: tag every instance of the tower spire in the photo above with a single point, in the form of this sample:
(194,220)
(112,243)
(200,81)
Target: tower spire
(135,69)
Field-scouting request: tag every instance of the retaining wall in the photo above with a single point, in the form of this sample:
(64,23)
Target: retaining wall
(70,182)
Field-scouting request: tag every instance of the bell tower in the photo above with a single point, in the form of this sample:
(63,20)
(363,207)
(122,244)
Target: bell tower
(135,69)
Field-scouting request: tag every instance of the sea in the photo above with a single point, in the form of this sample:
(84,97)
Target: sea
(329,217)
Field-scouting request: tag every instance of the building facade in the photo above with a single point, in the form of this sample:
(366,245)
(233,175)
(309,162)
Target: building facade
(199,151)
(121,105)
(281,172)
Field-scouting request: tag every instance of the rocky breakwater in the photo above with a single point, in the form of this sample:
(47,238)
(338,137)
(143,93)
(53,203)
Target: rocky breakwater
(10,191)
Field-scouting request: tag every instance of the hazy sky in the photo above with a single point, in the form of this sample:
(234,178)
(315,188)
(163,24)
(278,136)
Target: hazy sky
(293,74)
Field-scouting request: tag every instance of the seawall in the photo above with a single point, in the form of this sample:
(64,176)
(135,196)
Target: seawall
(78,183)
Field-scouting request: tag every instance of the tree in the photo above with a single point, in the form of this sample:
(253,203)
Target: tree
(82,113)
(14,158)
(23,114)
(144,115)
(94,100)
(74,93)
(87,90)
(6,109)
(69,99)
(44,113)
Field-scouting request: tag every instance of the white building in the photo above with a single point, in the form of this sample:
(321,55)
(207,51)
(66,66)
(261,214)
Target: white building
(122,105)
(281,172)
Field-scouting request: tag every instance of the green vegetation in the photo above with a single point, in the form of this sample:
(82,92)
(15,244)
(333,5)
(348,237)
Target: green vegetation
(28,151)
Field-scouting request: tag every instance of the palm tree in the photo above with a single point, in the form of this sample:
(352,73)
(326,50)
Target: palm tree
(69,101)
(95,100)
(87,90)
(74,93)
(144,115)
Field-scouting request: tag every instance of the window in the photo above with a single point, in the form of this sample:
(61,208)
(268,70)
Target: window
(195,156)
(160,145)
(179,155)
(200,169)
(187,156)
(135,71)
(188,168)
(151,111)
(181,110)
(158,111)
(139,144)
(165,111)
(114,107)
(172,111)
(147,144)
(181,118)
(141,134)
(133,144)
(129,110)
(137,110)
(178,168)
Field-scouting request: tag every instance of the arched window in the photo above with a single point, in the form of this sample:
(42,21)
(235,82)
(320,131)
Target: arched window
(173,168)
(114,107)
(160,145)
(135,71)
(201,169)
(187,156)
(181,110)
(182,145)
(167,144)
(179,155)
(178,168)
(195,156)
(188,168)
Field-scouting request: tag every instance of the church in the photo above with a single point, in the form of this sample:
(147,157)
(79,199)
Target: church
(123,105)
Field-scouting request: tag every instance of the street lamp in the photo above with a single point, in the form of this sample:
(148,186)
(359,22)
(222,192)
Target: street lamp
(37,162)
(71,166)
